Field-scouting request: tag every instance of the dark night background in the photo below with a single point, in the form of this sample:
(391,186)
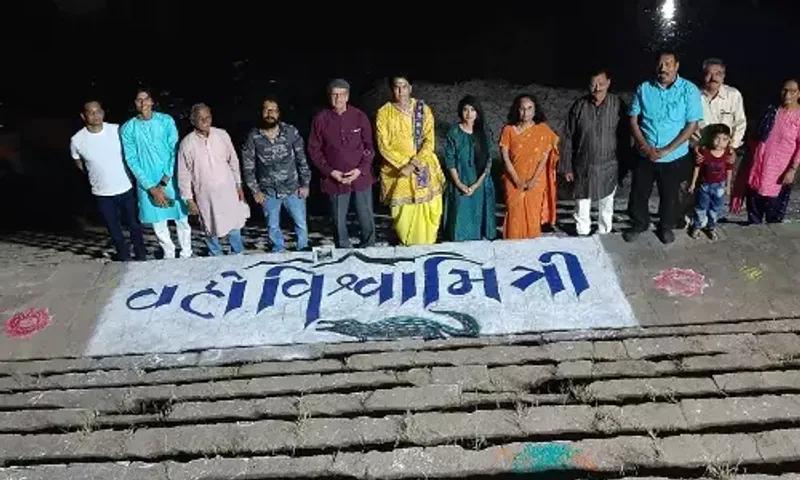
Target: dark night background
(227,54)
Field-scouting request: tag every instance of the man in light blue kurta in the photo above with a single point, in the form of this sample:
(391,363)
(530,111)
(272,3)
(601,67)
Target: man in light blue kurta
(664,114)
(149,141)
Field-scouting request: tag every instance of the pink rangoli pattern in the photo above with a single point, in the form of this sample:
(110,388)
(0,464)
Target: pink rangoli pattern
(681,282)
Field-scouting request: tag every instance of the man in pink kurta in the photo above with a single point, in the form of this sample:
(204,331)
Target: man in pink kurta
(210,182)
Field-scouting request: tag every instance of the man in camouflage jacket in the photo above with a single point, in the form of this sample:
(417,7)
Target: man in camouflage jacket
(276,171)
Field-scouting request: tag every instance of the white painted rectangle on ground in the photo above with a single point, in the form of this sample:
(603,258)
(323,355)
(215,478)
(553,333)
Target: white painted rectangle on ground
(438,291)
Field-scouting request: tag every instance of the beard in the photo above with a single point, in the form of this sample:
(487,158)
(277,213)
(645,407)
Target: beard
(269,122)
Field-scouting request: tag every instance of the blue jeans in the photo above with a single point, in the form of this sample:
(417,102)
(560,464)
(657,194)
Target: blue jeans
(709,204)
(297,209)
(234,238)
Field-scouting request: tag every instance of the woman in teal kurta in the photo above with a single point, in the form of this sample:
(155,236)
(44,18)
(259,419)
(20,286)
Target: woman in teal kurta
(469,211)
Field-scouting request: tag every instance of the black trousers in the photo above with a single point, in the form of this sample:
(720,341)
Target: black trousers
(340,205)
(667,177)
(119,209)
(771,209)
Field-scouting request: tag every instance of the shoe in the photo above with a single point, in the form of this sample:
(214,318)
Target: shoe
(712,234)
(667,236)
(631,235)
(694,232)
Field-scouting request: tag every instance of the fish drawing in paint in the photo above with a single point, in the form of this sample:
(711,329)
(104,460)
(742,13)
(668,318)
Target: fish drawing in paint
(403,326)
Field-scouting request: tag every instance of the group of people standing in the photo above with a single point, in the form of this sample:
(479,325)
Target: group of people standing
(683,134)
(683,138)
(674,127)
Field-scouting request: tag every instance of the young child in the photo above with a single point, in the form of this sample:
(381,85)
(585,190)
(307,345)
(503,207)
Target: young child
(714,168)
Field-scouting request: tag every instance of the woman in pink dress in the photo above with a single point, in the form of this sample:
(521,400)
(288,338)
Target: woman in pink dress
(774,163)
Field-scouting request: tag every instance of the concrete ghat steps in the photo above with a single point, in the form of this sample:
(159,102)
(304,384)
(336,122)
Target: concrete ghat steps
(714,401)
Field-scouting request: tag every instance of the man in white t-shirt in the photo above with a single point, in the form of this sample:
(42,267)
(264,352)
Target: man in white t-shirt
(97,150)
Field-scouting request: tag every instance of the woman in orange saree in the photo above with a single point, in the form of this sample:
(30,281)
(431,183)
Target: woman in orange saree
(530,151)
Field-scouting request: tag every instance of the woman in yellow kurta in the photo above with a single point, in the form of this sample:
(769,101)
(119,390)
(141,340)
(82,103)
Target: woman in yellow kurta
(412,180)
(530,151)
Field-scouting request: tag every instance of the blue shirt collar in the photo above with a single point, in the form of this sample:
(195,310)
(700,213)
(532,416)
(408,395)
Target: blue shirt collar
(655,83)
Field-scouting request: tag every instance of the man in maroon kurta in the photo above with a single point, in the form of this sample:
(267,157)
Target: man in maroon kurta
(340,146)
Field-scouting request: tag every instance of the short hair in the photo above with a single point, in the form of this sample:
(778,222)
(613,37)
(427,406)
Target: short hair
(718,129)
(196,109)
(668,51)
(599,71)
(88,101)
(143,89)
(338,83)
(713,61)
(270,98)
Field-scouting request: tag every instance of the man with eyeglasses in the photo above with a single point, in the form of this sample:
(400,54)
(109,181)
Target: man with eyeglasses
(340,146)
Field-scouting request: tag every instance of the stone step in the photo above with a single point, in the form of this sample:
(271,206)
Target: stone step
(205,437)
(723,364)
(92,411)
(615,455)
(652,399)
(298,358)
(741,371)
